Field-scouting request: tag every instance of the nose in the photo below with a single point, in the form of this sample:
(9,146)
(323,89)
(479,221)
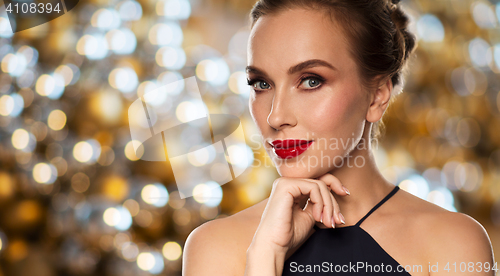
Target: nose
(282,114)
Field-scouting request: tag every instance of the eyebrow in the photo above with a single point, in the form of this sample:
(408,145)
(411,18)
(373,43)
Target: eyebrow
(296,68)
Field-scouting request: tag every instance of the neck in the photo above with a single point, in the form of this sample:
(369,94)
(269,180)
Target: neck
(363,179)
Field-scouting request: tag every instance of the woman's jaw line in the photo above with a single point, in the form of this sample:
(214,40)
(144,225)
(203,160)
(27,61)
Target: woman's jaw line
(341,170)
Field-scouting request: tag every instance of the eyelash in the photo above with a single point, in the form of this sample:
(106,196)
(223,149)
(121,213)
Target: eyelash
(251,82)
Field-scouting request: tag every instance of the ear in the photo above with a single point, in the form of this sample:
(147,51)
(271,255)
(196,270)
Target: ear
(379,100)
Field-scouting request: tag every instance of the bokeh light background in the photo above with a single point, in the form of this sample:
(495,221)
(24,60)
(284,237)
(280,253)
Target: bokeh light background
(76,200)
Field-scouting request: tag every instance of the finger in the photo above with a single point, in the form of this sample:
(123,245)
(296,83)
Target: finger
(316,199)
(333,216)
(328,208)
(337,215)
(338,188)
(335,184)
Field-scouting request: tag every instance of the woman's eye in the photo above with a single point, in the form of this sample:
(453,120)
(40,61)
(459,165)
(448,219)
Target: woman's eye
(259,84)
(312,82)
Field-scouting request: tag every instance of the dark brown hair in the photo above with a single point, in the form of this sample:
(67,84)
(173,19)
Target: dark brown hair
(376,29)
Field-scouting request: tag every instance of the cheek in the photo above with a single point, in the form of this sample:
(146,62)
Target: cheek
(332,113)
(259,110)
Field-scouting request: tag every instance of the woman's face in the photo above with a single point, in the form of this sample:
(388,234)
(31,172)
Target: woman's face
(305,86)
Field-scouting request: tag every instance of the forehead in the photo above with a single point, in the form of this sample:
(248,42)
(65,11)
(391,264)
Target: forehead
(296,35)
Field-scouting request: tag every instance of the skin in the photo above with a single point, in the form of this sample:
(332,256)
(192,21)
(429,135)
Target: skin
(411,230)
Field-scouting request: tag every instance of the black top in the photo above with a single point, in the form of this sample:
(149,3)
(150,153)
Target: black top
(348,250)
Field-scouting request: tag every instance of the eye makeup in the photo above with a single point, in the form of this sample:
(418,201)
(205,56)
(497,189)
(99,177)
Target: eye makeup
(253,81)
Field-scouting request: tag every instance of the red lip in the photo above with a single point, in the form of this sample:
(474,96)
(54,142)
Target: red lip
(290,148)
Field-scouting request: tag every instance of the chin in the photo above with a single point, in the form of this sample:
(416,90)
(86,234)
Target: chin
(296,171)
(301,168)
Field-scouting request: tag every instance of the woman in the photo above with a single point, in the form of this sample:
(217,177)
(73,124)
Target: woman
(322,74)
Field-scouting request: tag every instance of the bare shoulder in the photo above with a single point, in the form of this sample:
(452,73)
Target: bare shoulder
(218,247)
(205,249)
(459,238)
(445,236)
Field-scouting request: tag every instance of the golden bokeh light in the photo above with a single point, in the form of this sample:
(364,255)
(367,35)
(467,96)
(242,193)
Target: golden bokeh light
(115,188)
(176,201)
(111,216)
(7,187)
(132,206)
(82,151)
(172,251)
(20,138)
(80,182)
(130,152)
(147,192)
(17,250)
(182,216)
(107,106)
(145,261)
(43,173)
(6,105)
(144,218)
(28,211)
(45,85)
(57,119)
(66,72)
(60,164)
(107,156)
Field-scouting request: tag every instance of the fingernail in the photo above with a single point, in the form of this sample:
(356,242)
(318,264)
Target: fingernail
(347,191)
(321,219)
(333,223)
(342,219)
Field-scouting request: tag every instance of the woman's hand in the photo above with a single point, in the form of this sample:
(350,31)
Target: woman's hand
(284,224)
